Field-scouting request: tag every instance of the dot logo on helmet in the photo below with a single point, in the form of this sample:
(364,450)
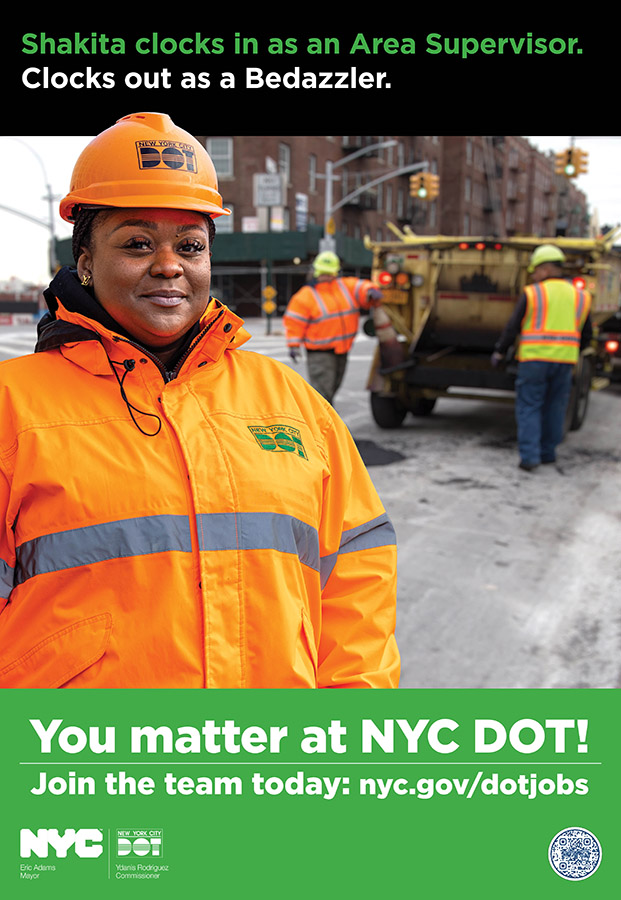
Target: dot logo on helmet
(166,154)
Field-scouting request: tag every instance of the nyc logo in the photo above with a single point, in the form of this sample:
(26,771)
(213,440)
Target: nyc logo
(279,439)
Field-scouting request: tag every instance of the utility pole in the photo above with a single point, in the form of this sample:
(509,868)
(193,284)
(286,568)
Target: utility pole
(328,242)
(45,223)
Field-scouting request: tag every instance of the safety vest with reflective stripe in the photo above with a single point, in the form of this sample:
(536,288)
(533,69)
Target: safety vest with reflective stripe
(242,545)
(325,315)
(555,314)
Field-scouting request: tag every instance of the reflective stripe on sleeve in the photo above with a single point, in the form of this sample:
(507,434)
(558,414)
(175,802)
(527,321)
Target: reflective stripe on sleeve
(379,532)
(7,574)
(297,317)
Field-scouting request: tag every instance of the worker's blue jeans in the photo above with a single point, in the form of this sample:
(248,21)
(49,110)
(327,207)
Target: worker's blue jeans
(543,390)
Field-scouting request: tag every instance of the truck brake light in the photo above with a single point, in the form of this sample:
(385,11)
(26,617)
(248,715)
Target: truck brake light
(612,346)
(579,282)
(480,245)
(384,278)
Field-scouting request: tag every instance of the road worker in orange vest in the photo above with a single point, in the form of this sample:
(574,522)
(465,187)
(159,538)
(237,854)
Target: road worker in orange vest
(552,321)
(176,513)
(323,317)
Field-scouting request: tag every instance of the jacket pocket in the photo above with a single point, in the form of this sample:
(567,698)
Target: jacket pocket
(61,656)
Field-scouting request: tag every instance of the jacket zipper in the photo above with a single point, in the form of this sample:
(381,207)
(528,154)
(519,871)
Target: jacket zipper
(170,374)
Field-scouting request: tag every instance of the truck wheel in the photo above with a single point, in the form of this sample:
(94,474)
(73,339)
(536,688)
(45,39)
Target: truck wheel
(388,412)
(579,399)
(422,406)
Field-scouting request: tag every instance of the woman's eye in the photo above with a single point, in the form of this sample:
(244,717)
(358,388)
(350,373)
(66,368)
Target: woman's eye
(192,246)
(138,244)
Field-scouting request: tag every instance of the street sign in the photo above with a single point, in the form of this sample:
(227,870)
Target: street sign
(269,307)
(269,292)
(268,190)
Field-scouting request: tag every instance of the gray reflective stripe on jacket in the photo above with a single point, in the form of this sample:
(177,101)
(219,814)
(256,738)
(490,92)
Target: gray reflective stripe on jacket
(168,533)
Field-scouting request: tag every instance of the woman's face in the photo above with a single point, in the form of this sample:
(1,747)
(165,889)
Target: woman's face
(150,270)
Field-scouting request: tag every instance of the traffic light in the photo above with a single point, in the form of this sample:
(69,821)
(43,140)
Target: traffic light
(416,186)
(424,186)
(571,163)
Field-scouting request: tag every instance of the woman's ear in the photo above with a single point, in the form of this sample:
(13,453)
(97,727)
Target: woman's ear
(84,266)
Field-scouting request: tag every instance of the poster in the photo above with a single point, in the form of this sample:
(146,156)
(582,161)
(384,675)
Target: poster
(279,793)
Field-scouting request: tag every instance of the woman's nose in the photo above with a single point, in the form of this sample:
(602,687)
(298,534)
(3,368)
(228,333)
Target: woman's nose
(166,264)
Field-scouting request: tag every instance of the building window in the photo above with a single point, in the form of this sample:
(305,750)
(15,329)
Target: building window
(312,173)
(221,152)
(284,161)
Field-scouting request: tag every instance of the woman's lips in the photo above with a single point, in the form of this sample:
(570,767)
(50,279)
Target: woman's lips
(165,299)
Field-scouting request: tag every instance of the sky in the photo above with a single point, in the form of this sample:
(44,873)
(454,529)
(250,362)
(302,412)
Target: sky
(28,164)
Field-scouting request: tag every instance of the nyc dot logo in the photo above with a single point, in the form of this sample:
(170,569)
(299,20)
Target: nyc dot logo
(133,843)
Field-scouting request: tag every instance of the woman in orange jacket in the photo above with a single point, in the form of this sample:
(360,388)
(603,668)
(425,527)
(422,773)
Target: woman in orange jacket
(178,512)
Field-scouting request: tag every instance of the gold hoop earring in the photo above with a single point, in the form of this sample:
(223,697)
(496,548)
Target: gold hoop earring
(86,280)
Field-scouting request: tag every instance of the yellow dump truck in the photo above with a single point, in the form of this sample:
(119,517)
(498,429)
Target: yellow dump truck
(446,299)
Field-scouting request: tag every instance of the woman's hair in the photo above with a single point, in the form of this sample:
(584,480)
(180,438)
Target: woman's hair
(83,230)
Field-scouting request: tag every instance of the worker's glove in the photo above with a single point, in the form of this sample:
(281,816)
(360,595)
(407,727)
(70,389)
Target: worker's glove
(374,295)
(294,352)
(496,358)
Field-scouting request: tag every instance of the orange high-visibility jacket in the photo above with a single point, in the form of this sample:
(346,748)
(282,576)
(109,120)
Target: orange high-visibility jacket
(239,544)
(325,315)
(556,311)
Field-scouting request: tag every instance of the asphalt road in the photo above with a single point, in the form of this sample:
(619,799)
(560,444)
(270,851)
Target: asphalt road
(506,578)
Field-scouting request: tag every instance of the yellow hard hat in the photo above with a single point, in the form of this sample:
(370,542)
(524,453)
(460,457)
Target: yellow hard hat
(326,263)
(144,160)
(546,253)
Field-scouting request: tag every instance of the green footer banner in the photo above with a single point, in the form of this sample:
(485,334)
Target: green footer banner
(295,794)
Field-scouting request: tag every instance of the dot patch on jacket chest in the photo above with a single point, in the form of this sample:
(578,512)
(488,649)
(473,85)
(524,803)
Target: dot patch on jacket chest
(279,439)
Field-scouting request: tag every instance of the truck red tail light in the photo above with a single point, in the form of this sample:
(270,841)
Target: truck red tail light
(579,282)
(612,346)
(480,245)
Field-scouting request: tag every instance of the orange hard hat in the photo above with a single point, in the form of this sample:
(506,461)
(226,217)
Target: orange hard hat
(144,160)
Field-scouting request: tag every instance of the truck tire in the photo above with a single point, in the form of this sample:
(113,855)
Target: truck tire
(388,412)
(579,398)
(422,406)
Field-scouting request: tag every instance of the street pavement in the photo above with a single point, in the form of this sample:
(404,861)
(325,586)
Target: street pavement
(506,578)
